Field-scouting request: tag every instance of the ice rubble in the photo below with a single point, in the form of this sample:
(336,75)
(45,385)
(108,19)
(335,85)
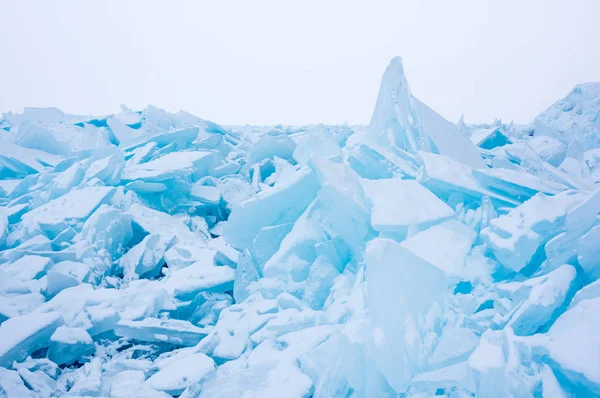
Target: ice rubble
(156,254)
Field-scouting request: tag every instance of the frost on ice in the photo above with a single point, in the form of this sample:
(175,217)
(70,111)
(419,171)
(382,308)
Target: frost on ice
(156,254)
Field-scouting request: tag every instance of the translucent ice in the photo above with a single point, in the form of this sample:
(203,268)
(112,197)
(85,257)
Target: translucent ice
(405,294)
(68,345)
(149,253)
(22,335)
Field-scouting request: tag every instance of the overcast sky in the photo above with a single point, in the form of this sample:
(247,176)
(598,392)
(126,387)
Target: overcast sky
(295,62)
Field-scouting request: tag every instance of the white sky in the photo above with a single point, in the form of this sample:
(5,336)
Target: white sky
(295,62)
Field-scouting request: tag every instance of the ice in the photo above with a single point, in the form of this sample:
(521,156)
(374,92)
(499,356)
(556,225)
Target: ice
(131,383)
(449,378)
(206,194)
(402,120)
(12,386)
(56,215)
(39,382)
(176,164)
(178,375)
(152,254)
(176,332)
(66,274)
(284,204)
(516,236)
(16,161)
(22,335)
(68,345)
(446,139)
(546,294)
(573,337)
(404,294)
(444,246)
(27,268)
(400,204)
(490,136)
(455,345)
(146,258)
(488,364)
(444,176)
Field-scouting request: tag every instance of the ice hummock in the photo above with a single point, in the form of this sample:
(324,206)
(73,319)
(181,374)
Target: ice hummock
(156,254)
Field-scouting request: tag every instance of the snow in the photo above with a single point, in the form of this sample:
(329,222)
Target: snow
(148,253)
(177,376)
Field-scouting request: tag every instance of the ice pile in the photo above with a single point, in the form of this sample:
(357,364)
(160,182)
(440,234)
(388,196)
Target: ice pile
(152,254)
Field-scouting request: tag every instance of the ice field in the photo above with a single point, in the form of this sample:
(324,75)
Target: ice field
(156,254)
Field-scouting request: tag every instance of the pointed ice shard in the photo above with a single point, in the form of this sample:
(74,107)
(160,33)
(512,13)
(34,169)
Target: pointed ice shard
(400,119)
(393,119)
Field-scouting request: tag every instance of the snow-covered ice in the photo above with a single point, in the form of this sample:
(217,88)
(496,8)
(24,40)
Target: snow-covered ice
(156,254)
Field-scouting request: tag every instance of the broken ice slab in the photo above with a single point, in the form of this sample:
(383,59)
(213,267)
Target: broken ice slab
(11,306)
(206,194)
(175,377)
(54,216)
(108,229)
(17,161)
(488,366)
(27,268)
(452,378)
(572,346)
(66,274)
(588,252)
(516,184)
(346,212)
(130,383)
(317,144)
(445,176)
(446,139)
(38,382)
(146,258)
(373,161)
(174,164)
(445,246)
(400,204)
(267,241)
(22,335)
(12,386)
(547,293)
(403,291)
(152,221)
(296,252)
(515,237)
(270,146)
(200,276)
(67,345)
(455,345)
(171,331)
(587,292)
(144,187)
(181,138)
(8,186)
(284,204)
(490,136)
